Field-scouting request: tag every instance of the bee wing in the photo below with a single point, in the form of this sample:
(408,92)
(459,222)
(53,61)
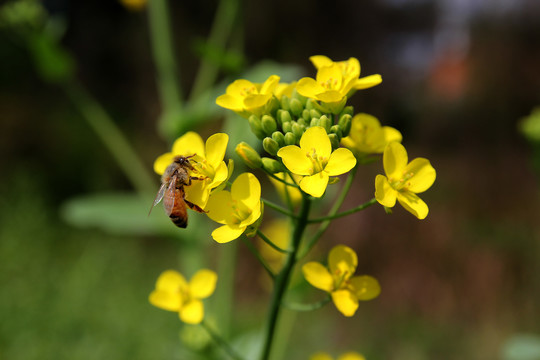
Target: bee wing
(168,196)
(159,196)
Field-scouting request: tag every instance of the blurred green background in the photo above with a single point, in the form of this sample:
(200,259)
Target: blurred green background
(79,256)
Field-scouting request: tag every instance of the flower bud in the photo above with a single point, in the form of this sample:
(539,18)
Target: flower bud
(285,102)
(296,107)
(325,122)
(309,104)
(297,130)
(301,121)
(250,157)
(270,146)
(335,129)
(305,115)
(287,127)
(313,113)
(345,122)
(273,105)
(315,122)
(272,166)
(285,117)
(278,137)
(290,139)
(334,141)
(268,124)
(347,110)
(256,127)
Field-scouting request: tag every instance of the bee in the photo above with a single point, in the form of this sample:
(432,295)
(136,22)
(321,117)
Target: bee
(173,180)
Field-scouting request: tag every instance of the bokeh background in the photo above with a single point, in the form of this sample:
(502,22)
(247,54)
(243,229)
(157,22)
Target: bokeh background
(79,256)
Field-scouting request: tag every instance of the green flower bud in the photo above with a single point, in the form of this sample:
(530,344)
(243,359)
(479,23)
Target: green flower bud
(345,122)
(297,130)
(270,146)
(250,157)
(290,139)
(256,127)
(314,113)
(285,117)
(296,107)
(285,103)
(301,121)
(272,166)
(347,110)
(309,104)
(268,124)
(335,129)
(334,141)
(287,127)
(325,122)
(278,137)
(305,115)
(315,122)
(273,105)
(303,99)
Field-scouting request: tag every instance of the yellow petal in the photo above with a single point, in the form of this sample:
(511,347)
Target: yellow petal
(424,175)
(255,101)
(350,68)
(192,312)
(413,204)
(202,284)
(318,276)
(166,300)
(330,77)
(198,192)
(296,160)
(384,193)
(219,207)
(394,160)
(230,102)
(320,356)
(315,185)
(270,84)
(351,356)
(254,214)
(241,88)
(162,162)
(316,139)
(320,60)
(365,287)
(342,262)
(330,96)
(368,81)
(345,301)
(246,189)
(188,144)
(171,281)
(308,87)
(226,233)
(391,134)
(216,145)
(341,161)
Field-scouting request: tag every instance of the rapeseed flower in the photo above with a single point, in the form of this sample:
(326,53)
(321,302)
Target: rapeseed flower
(207,162)
(174,293)
(367,136)
(236,209)
(351,355)
(315,161)
(338,280)
(404,180)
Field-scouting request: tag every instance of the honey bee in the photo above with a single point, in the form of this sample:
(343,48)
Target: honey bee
(173,180)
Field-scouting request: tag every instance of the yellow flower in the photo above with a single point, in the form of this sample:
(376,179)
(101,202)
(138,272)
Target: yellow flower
(351,355)
(293,193)
(404,180)
(367,136)
(315,161)
(174,293)
(284,89)
(346,290)
(279,232)
(236,209)
(245,97)
(134,5)
(329,86)
(208,163)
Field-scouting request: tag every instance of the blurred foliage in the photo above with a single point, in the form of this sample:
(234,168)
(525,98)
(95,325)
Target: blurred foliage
(522,347)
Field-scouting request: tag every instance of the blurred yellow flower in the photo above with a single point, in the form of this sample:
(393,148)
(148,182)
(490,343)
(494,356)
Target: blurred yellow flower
(294,195)
(346,290)
(351,355)
(315,161)
(174,293)
(367,136)
(279,232)
(236,209)
(207,161)
(284,89)
(134,5)
(404,180)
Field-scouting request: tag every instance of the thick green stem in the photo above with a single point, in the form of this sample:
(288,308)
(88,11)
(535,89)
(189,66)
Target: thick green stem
(221,342)
(113,139)
(282,280)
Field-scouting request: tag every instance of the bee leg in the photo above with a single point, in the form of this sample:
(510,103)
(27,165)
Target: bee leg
(192,206)
(195,178)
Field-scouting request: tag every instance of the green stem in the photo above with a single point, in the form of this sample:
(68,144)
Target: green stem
(333,211)
(307,307)
(269,242)
(162,50)
(280,180)
(345,213)
(221,342)
(282,280)
(111,136)
(278,208)
(259,257)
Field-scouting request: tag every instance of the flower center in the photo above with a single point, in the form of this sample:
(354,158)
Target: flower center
(318,162)
(340,279)
(330,83)
(403,183)
(203,168)
(239,212)
(248,90)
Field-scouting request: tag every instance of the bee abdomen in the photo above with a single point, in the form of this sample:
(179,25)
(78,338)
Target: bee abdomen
(179,221)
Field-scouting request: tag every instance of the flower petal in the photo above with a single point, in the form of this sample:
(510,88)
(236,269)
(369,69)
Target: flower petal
(219,207)
(296,160)
(166,300)
(394,160)
(316,138)
(391,134)
(331,76)
(216,145)
(230,102)
(351,356)
(330,96)
(270,84)
(413,204)
(318,275)
(226,233)
(188,144)
(192,312)
(162,162)
(255,101)
(247,190)
(171,281)
(320,356)
(315,185)
(385,194)
(308,87)
(341,161)
(342,261)
(365,287)
(241,88)
(202,284)
(424,175)
(345,301)
(198,192)
(320,60)
(367,82)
